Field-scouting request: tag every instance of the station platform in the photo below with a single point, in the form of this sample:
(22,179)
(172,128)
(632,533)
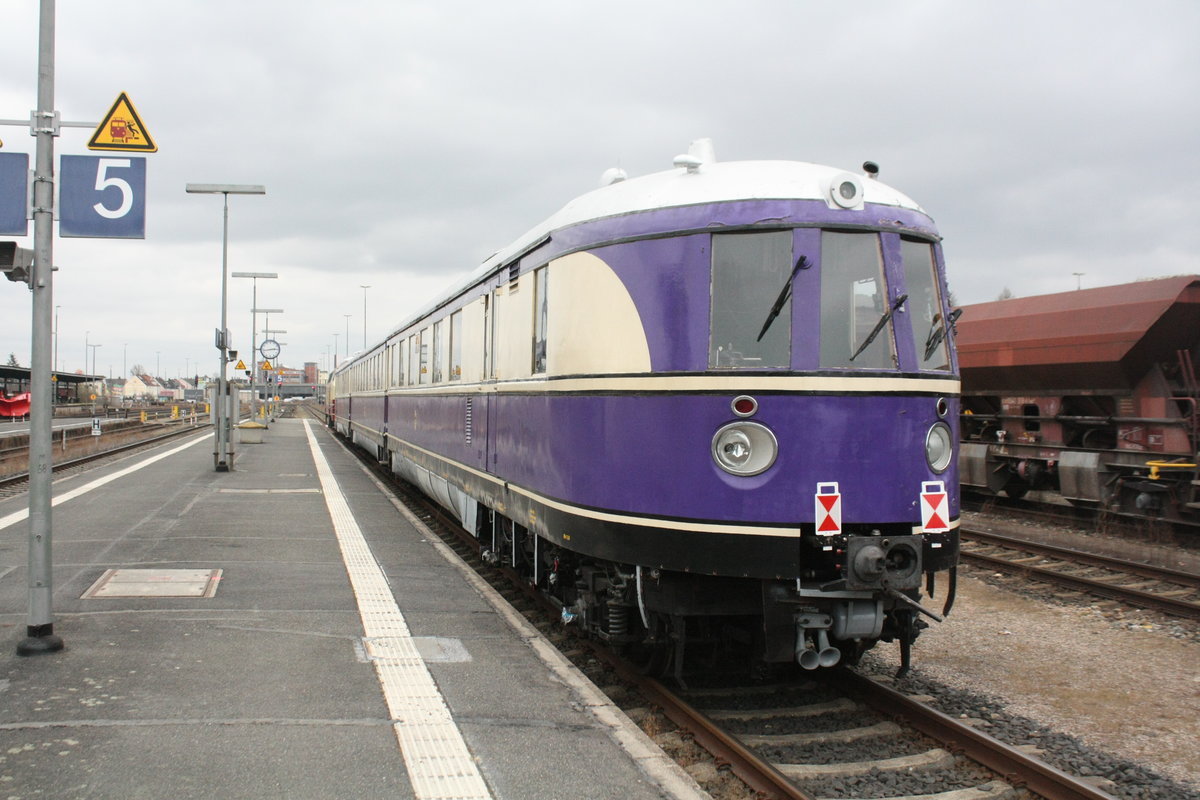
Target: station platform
(285,630)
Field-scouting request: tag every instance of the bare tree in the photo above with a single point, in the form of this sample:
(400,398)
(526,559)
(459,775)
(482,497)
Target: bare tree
(1007,294)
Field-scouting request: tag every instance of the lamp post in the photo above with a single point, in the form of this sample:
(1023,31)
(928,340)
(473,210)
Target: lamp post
(335,350)
(223,456)
(92,372)
(93,369)
(254,312)
(364,287)
(347,316)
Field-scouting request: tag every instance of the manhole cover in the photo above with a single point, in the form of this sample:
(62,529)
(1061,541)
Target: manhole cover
(155,583)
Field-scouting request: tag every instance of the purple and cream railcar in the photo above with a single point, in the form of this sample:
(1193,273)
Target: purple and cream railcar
(725,394)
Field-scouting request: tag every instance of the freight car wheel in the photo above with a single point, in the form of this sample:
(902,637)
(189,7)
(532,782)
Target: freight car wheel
(1015,489)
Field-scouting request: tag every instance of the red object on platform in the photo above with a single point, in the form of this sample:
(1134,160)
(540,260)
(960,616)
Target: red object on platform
(15,406)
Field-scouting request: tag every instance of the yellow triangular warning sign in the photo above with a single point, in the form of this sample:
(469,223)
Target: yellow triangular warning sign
(267,365)
(122,129)
(241,364)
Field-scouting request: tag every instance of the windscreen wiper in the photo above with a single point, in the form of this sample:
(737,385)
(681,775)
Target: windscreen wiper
(879,326)
(938,332)
(784,294)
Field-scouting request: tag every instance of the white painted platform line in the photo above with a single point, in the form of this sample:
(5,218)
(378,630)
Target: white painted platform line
(17,516)
(438,762)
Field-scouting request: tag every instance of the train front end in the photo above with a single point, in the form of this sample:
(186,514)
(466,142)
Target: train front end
(789,453)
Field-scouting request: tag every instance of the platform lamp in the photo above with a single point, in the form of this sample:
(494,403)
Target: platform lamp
(223,455)
(254,312)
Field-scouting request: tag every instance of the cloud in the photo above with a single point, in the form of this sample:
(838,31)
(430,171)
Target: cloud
(403,143)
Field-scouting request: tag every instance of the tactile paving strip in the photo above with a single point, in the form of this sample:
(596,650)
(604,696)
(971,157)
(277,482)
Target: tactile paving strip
(436,756)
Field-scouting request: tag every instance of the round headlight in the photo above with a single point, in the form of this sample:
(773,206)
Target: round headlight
(846,191)
(939,447)
(744,448)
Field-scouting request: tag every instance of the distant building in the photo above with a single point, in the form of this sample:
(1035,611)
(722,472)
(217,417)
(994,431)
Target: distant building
(141,387)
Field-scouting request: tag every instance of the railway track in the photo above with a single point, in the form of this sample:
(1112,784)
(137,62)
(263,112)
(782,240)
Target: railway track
(15,484)
(1141,585)
(912,749)
(1043,507)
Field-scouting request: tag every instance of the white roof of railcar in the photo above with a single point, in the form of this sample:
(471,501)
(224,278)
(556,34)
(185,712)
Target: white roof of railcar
(710,182)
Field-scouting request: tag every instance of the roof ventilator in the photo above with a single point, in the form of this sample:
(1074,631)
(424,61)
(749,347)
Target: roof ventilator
(700,152)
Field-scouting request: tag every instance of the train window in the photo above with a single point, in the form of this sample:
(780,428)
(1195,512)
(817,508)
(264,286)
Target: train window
(414,348)
(423,344)
(439,343)
(854,300)
(539,320)
(925,305)
(749,271)
(456,346)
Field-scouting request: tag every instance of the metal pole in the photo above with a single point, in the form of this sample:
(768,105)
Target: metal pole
(222,455)
(39,629)
(254,365)
(347,316)
(364,288)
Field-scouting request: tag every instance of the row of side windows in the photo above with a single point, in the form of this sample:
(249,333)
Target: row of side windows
(440,352)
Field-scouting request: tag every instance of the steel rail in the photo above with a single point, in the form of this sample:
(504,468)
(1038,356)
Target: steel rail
(12,480)
(1169,605)
(1091,559)
(726,749)
(1011,764)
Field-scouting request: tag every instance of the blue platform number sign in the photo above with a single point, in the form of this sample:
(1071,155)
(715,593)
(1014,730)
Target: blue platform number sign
(14,192)
(102,197)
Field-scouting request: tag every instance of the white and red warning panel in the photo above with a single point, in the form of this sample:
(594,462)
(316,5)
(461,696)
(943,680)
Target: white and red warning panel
(935,507)
(828,514)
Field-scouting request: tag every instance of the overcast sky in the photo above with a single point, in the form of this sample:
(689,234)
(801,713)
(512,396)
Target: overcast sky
(401,143)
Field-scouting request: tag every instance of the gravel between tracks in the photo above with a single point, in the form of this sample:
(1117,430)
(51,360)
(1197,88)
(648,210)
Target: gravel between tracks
(1117,685)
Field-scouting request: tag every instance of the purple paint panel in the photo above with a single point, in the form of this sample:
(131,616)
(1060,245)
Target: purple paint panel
(651,454)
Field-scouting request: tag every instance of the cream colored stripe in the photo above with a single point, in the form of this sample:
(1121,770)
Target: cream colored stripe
(437,759)
(740,383)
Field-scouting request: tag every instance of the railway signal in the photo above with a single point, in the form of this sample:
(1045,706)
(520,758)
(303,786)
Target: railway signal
(16,262)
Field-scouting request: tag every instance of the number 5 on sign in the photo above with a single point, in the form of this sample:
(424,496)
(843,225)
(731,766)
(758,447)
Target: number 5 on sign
(103,197)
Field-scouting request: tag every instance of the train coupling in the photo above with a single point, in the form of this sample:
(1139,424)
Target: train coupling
(883,562)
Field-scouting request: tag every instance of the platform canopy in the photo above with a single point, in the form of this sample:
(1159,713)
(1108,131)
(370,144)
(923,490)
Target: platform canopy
(15,380)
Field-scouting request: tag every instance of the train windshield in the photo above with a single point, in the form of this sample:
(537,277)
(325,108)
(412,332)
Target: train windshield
(748,271)
(856,329)
(925,305)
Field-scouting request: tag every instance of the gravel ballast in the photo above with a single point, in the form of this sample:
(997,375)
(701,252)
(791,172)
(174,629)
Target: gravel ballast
(1100,694)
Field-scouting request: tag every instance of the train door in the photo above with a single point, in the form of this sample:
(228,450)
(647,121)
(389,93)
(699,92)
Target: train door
(484,405)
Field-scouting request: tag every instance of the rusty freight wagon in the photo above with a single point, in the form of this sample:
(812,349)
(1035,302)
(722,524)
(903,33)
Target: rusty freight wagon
(1091,394)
